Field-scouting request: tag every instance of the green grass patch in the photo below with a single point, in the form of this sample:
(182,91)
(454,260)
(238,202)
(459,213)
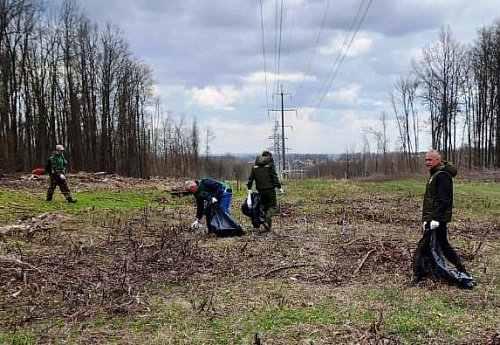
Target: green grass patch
(228,295)
(18,204)
(18,338)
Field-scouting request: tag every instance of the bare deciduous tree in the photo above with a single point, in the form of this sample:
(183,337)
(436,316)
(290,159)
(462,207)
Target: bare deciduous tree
(440,73)
(403,99)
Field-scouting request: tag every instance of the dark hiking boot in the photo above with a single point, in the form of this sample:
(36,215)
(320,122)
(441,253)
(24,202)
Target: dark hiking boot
(266,226)
(263,232)
(463,270)
(71,200)
(415,281)
(470,284)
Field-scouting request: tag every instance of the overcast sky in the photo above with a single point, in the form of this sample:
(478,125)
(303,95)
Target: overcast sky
(223,63)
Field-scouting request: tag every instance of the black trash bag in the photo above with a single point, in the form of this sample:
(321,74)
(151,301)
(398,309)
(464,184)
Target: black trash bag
(429,261)
(256,211)
(220,223)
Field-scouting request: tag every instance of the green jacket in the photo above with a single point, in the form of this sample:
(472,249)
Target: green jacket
(59,163)
(438,197)
(264,174)
(208,189)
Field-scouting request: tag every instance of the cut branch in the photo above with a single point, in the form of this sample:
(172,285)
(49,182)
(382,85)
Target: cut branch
(361,264)
(17,261)
(265,274)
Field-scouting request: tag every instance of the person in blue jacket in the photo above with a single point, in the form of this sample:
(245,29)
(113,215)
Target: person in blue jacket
(208,190)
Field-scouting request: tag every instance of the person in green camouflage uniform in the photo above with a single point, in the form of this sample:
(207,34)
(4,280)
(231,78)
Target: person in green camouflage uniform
(57,175)
(266,180)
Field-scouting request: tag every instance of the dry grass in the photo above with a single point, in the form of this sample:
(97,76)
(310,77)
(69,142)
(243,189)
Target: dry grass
(335,270)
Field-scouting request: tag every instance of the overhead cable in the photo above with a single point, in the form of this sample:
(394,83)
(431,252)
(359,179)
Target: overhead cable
(343,51)
(278,44)
(264,52)
(313,52)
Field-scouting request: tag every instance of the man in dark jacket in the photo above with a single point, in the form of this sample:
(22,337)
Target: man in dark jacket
(266,180)
(208,190)
(438,204)
(57,174)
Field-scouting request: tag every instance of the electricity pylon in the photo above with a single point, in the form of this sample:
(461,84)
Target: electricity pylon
(279,146)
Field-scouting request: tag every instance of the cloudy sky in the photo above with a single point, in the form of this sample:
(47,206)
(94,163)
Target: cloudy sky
(225,62)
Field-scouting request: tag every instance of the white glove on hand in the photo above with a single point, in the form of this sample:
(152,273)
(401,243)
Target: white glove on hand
(249,198)
(62,177)
(281,191)
(214,200)
(434,224)
(423,226)
(195,225)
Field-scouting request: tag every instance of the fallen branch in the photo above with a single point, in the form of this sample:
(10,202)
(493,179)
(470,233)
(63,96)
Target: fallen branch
(352,241)
(11,205)
(79,312)
(361,264)
(8,229)
(265,274)
(17,261)
(474,253)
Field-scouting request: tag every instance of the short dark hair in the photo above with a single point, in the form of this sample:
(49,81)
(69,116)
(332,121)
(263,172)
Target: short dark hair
(266,153)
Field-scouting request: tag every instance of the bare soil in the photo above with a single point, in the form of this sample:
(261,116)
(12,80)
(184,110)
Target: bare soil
(53,269)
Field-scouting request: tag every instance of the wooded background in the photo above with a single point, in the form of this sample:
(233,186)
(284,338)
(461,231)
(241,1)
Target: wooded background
(64,80)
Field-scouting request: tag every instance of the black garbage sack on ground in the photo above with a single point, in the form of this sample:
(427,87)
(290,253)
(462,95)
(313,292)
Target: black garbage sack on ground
(220,223)
(429,261)
(255,211)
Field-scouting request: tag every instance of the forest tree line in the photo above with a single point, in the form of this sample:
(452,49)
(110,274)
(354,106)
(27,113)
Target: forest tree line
(65,80)
(454,90)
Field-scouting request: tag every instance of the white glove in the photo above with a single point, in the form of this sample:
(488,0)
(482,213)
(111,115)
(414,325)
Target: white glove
(249,198)
(434,224)
(214,200)
(62,177)
(281,191)
(423,226)
(195,225)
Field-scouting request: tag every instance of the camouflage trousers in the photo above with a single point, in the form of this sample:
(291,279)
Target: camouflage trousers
(268,199)
(55,181)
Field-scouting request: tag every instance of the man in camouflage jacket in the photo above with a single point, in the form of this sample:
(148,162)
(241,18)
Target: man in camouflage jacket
(266,180)
(57,174)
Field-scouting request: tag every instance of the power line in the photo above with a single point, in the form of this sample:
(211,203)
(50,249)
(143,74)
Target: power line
(343,51)
(279,138)
(264,51)
(313,52)
(277,44)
